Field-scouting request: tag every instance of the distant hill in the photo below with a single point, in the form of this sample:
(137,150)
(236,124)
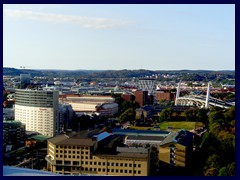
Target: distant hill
(44,72)
(193,75)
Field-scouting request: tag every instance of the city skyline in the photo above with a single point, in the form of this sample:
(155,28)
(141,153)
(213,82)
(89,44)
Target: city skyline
(115,37)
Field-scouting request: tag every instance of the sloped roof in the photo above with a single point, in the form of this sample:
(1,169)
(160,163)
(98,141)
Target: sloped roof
(182,137)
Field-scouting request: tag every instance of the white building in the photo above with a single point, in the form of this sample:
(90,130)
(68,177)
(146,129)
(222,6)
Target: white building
(38,110)
(104,105)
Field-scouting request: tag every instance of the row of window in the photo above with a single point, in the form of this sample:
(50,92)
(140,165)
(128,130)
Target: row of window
(99,163)
(126,171)
(72,147)
(69,156)
(73,152)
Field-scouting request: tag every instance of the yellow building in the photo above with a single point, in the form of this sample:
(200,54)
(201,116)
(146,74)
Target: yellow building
(77,154)
(176,148)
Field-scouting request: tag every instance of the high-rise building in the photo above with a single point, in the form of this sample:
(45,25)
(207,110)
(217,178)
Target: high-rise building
(66,115)
(141,97)
(24,80)
(37,109)
(13,135)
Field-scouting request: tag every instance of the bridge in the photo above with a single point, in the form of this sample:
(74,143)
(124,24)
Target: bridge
(201,100)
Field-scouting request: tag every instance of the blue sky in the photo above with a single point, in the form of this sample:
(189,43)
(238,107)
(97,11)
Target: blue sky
(104,37)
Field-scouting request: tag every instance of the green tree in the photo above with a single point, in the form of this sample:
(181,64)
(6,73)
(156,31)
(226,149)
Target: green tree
(227,171)
(128,115)
(166,115)
(191,114)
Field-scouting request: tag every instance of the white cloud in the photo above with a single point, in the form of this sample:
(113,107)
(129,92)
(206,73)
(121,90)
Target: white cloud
(84,21)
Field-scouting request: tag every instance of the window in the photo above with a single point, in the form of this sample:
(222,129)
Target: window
(75,163)
(130,165)
(125,171)
(112,170)
(134,165)
(99,169)
(69,156)
(139,165)
(126,164)
(116,164)
(58,168)
(67,162)
(95,169)
(121,164)
(130,171)
(90,162)
(95,163)
(99,163)
(103,163)
(58,162)
(139,172)
(112,164)
(73,157)
(121,171)
(103,169)
(116,170)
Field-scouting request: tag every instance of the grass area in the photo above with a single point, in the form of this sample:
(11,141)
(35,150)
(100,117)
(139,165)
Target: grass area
(174,125)
(180,125)
(140,128)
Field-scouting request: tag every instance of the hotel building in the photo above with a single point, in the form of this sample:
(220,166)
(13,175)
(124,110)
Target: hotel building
(38,110)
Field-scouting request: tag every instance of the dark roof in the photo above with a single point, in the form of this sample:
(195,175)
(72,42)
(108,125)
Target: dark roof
(139,132)
(182,137)
(169,138)
(79,139)
(151,138)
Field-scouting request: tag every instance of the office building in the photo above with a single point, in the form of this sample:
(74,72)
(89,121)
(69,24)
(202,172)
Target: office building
(78,154)
(176,149)
(24,80)
(141,97)
(38,110)
(13,135)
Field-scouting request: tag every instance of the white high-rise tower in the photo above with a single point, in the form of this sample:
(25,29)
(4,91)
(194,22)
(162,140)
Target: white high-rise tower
(38,110)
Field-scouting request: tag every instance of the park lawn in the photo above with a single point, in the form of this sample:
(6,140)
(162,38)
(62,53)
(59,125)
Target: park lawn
(140,128)
(180,125)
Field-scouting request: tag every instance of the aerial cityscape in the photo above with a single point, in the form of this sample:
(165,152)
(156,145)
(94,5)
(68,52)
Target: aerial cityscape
(119,90)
